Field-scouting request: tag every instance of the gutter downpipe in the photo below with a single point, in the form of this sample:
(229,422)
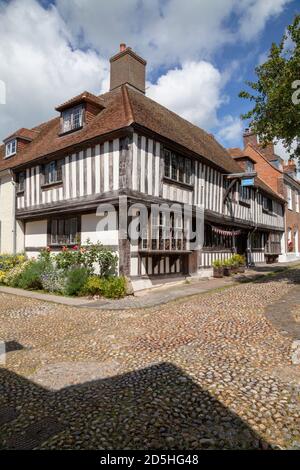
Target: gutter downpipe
(14,230)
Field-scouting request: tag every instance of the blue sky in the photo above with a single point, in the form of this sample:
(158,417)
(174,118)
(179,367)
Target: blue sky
(199,54)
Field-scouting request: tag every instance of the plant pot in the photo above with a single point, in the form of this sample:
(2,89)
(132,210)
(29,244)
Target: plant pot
(218,272)
(234,269)
(241,269)
(226,271)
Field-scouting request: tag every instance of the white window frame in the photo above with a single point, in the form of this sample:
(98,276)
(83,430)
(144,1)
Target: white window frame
(297,200)
(289,198)
(72,119)
(11,148)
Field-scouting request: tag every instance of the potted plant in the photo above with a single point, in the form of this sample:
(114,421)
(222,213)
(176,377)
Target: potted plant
(233,265)
(238,263)
(226,267)
(217,268)
(241,263)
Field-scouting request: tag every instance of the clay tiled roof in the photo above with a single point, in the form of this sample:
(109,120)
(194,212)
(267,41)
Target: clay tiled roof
(23,133)
(122,107)
(238,153)
(83,97)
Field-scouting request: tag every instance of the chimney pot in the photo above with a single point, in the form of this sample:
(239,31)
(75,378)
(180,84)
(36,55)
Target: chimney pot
(122,47)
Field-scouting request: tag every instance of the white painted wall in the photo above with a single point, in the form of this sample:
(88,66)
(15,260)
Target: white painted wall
(36,234)
(20,236)
(89,230)
(7,213)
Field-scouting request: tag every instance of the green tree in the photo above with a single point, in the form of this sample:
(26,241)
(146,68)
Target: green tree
(276,93)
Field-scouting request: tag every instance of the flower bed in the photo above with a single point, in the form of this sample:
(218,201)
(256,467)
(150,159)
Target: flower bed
(80,270)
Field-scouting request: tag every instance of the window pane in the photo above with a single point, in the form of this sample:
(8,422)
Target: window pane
(72,119)
(54,231)
(188,166)
(73,230)
(181,169)
(59,170)
(174,167)
(167,163)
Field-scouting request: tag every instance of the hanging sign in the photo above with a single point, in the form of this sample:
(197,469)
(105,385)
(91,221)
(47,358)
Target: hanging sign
(247,182)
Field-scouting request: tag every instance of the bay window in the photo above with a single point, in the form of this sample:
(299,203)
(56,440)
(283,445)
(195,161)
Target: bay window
(63,231)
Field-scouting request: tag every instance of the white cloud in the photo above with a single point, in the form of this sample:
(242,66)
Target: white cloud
(168,32)
(256,13)
(230,132)
(282,151)
(193,92)
(50,54)
(39,66)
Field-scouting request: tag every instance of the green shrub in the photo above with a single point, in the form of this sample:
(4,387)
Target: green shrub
(238,260)
(113,287)
(217,263)
(226,263)
(105,260)
(93,286)
(75,280)
(30,277)
(109,287)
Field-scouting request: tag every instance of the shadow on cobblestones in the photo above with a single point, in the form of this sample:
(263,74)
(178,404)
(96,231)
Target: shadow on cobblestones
(158,407)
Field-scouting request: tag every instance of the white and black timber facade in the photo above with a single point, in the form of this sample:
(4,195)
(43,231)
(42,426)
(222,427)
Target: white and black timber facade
(124,144)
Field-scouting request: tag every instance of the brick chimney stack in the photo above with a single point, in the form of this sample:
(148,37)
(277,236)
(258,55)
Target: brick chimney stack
(250,138)
(127,67)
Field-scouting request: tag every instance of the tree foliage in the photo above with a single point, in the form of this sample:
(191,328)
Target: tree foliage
(276,93)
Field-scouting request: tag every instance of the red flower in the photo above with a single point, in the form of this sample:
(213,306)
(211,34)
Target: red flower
(64,248)
(75,248)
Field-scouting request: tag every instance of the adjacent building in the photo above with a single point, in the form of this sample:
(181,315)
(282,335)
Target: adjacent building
(122,148)
(281,177)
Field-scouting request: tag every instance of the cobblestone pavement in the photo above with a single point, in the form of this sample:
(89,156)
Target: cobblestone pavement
(210,371)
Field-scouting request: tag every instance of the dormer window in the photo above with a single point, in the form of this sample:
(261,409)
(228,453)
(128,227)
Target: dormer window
(249,166)
(72,119)
(11,148)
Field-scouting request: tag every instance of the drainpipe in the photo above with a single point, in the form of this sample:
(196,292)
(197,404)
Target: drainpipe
(14,230)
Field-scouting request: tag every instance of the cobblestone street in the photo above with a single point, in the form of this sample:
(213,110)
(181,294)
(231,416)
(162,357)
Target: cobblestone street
(210,371)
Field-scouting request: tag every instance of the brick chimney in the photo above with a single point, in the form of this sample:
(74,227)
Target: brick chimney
(249,137)
(127,67)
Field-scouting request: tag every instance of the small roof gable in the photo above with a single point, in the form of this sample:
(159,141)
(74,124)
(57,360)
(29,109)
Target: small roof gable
(84,97)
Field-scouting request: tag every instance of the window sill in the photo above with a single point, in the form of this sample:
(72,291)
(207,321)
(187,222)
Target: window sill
(189,186)
(61,134)
(265,211)
(20,192)
(6,157)
(244,203)
(51,185)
